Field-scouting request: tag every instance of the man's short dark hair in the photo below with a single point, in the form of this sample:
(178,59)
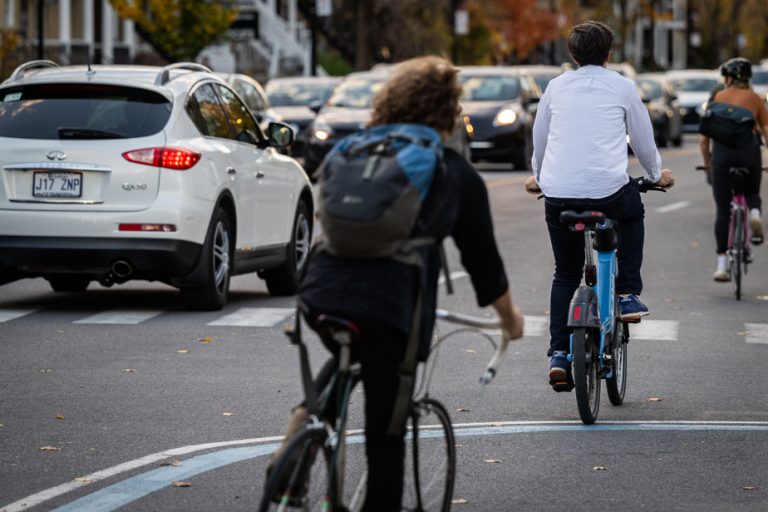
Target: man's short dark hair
(590,43)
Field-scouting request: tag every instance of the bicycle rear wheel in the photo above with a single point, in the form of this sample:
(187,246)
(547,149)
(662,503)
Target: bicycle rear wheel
(617,384)
(299,478)
(430,459)
(587,383)
(737,252)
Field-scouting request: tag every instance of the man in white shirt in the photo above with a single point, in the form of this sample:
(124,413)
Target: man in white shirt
(580,162)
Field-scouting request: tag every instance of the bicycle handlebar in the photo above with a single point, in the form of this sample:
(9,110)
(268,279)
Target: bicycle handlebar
(480,323)
(646,185)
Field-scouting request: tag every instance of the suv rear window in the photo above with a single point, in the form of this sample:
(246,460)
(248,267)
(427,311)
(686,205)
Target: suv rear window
(81,111)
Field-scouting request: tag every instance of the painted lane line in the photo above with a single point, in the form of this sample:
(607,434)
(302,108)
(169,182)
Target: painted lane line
(673,206)
(120,494)
(53,492)
(758,333)
(664,330)
(9,314)
(454,276)
(121,317)
(535,325)
(255,317)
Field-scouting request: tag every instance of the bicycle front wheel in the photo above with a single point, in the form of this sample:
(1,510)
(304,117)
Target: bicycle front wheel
(616,385)
(430,459)
(737,252)
(587,383)
(300,476)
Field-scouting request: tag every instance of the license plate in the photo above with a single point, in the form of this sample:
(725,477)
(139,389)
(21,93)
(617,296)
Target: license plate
(57,184)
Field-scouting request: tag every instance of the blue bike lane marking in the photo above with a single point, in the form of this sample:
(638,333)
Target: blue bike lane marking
(124,492)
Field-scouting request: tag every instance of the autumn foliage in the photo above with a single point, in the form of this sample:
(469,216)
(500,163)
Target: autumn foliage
(178,29)
(522,25)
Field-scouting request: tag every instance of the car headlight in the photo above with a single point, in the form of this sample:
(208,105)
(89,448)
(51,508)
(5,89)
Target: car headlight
(505,117)
(322,131)
(702,108)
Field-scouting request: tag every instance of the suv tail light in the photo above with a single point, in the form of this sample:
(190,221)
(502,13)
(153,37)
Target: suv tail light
(178,159)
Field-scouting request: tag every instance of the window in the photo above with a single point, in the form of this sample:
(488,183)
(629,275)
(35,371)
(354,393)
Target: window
(243,125)
(489,88)
(208,114)
(250,95)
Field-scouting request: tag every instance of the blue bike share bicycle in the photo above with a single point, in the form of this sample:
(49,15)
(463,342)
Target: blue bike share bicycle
(599,338)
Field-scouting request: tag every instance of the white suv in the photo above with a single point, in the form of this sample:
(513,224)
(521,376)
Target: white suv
(113,173)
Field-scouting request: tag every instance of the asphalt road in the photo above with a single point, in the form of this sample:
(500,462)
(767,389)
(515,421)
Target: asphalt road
(111,396)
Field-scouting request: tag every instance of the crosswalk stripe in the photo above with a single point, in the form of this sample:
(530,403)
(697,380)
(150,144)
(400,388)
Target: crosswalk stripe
(664,330)
(673,206)
(535,325)
(118,317)
(7,315)
(757,333)
(255,317)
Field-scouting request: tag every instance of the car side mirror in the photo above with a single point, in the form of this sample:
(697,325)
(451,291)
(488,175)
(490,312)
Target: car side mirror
(315,106)
(280,135)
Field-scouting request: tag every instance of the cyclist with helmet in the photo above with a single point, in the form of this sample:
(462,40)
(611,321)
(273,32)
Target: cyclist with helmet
(720,157)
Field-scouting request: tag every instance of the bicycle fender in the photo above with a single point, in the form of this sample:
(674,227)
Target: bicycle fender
(583,311)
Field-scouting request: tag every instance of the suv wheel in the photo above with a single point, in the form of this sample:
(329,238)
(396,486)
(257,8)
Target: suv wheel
(285,280)
(217,254)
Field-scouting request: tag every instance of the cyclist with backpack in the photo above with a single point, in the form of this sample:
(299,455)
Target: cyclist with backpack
(730,137)
(580,162)
(388,286)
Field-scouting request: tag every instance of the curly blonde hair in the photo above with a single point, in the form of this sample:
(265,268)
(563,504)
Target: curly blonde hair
(423,90)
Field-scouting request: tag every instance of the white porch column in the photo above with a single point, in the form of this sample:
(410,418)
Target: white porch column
(292,18)
(107,32)
(88,25)
(65,27)
(129,37)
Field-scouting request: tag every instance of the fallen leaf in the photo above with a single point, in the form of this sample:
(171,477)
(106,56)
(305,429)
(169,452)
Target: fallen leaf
(695,245)
(171,462)
(458,445)
(743,333)
(654,399)
(206,339)
(183,351)
(46,370)
(599,468)
(82,479)
(59,416)
(229,414)
(181,484)
(470,351)
(49,449)
(129,370)
(749,488)
(462,409)
(492,461)
(459,501)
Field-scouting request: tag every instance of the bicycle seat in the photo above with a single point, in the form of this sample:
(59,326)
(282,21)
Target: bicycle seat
(333,325)
(579,221)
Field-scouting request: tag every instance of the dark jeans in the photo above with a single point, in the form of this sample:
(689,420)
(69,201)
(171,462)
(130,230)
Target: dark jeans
(380,351)
(626,208)
(723,158)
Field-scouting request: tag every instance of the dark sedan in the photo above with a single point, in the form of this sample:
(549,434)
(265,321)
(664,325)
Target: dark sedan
(297,100)
(500,102)
(346,111)
(664,108)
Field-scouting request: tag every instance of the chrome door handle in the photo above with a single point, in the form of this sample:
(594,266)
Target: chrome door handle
(231,171)
(259,174)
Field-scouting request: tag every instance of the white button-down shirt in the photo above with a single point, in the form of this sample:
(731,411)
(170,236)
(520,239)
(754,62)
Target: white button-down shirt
(580,134)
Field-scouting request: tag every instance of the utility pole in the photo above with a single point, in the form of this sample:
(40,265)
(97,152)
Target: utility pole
(40,30)
(313,37)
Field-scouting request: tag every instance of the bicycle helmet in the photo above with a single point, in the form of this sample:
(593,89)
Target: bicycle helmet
(738,68)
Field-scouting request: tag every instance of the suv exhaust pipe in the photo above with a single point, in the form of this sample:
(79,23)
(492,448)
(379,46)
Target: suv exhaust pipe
(121,269)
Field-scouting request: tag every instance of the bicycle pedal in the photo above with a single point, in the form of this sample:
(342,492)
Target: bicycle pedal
(562,387)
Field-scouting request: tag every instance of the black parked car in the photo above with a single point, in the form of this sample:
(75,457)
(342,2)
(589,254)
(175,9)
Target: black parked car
(500,103)
(664,108)
(297,100)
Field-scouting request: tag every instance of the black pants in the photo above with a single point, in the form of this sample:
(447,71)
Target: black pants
(380,352)
(626,208)
(723,158)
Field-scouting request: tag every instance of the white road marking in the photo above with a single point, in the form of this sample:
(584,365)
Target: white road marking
(254,317)
(673,206)
(665,330)
(9,314)
(121,317)
(535,325)
(463,429)
(758,333)
(454,276)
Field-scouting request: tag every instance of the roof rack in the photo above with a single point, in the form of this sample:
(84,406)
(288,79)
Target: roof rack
(164,76)
(20,71)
